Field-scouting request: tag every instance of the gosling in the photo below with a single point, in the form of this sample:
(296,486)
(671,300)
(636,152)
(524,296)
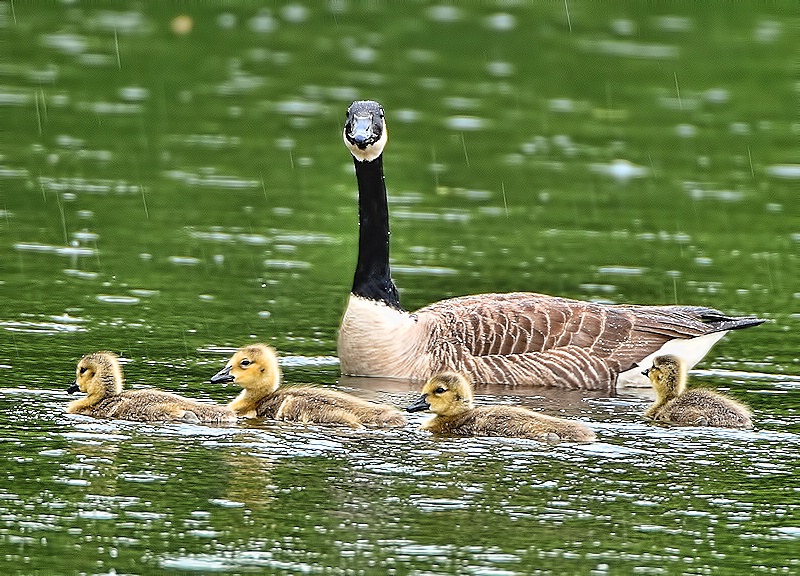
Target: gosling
(255,368)
(99,375)
(449,396)
(698,407)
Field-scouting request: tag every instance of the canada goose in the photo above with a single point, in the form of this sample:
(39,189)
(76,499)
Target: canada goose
(255,368)
(514,338)
(449,396)
(697,407)
(99,374)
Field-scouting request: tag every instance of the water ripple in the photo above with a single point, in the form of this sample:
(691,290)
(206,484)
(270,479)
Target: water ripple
(72,251)
(30,327)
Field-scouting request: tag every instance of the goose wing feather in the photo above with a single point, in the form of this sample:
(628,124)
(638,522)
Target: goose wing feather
(534,338)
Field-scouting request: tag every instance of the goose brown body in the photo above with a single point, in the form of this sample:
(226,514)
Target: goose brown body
(255,368)
(516,338)
(697,407)
(100,375)
(449,396)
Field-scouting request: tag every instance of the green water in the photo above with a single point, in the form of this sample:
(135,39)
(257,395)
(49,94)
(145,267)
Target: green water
(171,196)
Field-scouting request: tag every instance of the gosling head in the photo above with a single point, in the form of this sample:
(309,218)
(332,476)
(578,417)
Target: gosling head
(445,394)
(252,367)
(365,130)
(98,373)
(667,375)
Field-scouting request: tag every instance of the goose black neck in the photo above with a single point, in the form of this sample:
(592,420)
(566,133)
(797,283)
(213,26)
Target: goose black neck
(373,278)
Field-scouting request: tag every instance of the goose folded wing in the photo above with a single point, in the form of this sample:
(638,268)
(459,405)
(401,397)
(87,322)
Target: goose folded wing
(537,338)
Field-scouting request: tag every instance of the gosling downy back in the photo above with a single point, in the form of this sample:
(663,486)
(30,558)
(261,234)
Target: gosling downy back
(517,338)
(255,368)
(99,375)
(696,407)
(449,396)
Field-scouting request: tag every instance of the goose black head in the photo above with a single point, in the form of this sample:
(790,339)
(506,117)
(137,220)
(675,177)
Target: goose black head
(365,130)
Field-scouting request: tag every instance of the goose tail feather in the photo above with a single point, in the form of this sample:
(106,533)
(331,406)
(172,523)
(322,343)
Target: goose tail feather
(721,322)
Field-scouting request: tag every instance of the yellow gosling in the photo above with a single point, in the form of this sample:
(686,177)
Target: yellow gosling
(255,368)
(99,375)
(449,396)
(698,407)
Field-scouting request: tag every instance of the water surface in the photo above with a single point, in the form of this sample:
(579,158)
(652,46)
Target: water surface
(173,185)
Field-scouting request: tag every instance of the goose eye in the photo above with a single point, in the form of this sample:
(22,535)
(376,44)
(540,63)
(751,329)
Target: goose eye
(440,390)
(245,363)
(83,369)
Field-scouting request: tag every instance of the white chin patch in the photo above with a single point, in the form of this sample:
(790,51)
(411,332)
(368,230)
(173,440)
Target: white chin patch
(369,153)
(689,350)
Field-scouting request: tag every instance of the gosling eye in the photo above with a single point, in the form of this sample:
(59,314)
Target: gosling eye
(440,390)
(245,363)
(83,369)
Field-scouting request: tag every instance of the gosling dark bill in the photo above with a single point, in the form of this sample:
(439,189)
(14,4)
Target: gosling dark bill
(223,375)
(420,405)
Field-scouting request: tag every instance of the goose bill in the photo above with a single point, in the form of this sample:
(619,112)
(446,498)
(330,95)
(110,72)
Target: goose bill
(223,375)
(419,405)
(73,388)
(362,131)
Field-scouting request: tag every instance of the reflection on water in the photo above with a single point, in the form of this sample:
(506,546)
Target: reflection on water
(173,186)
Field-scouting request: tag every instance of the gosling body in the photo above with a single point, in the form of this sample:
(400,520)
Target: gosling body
(449,396)
(698,407)
(100,376)
(255,368)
